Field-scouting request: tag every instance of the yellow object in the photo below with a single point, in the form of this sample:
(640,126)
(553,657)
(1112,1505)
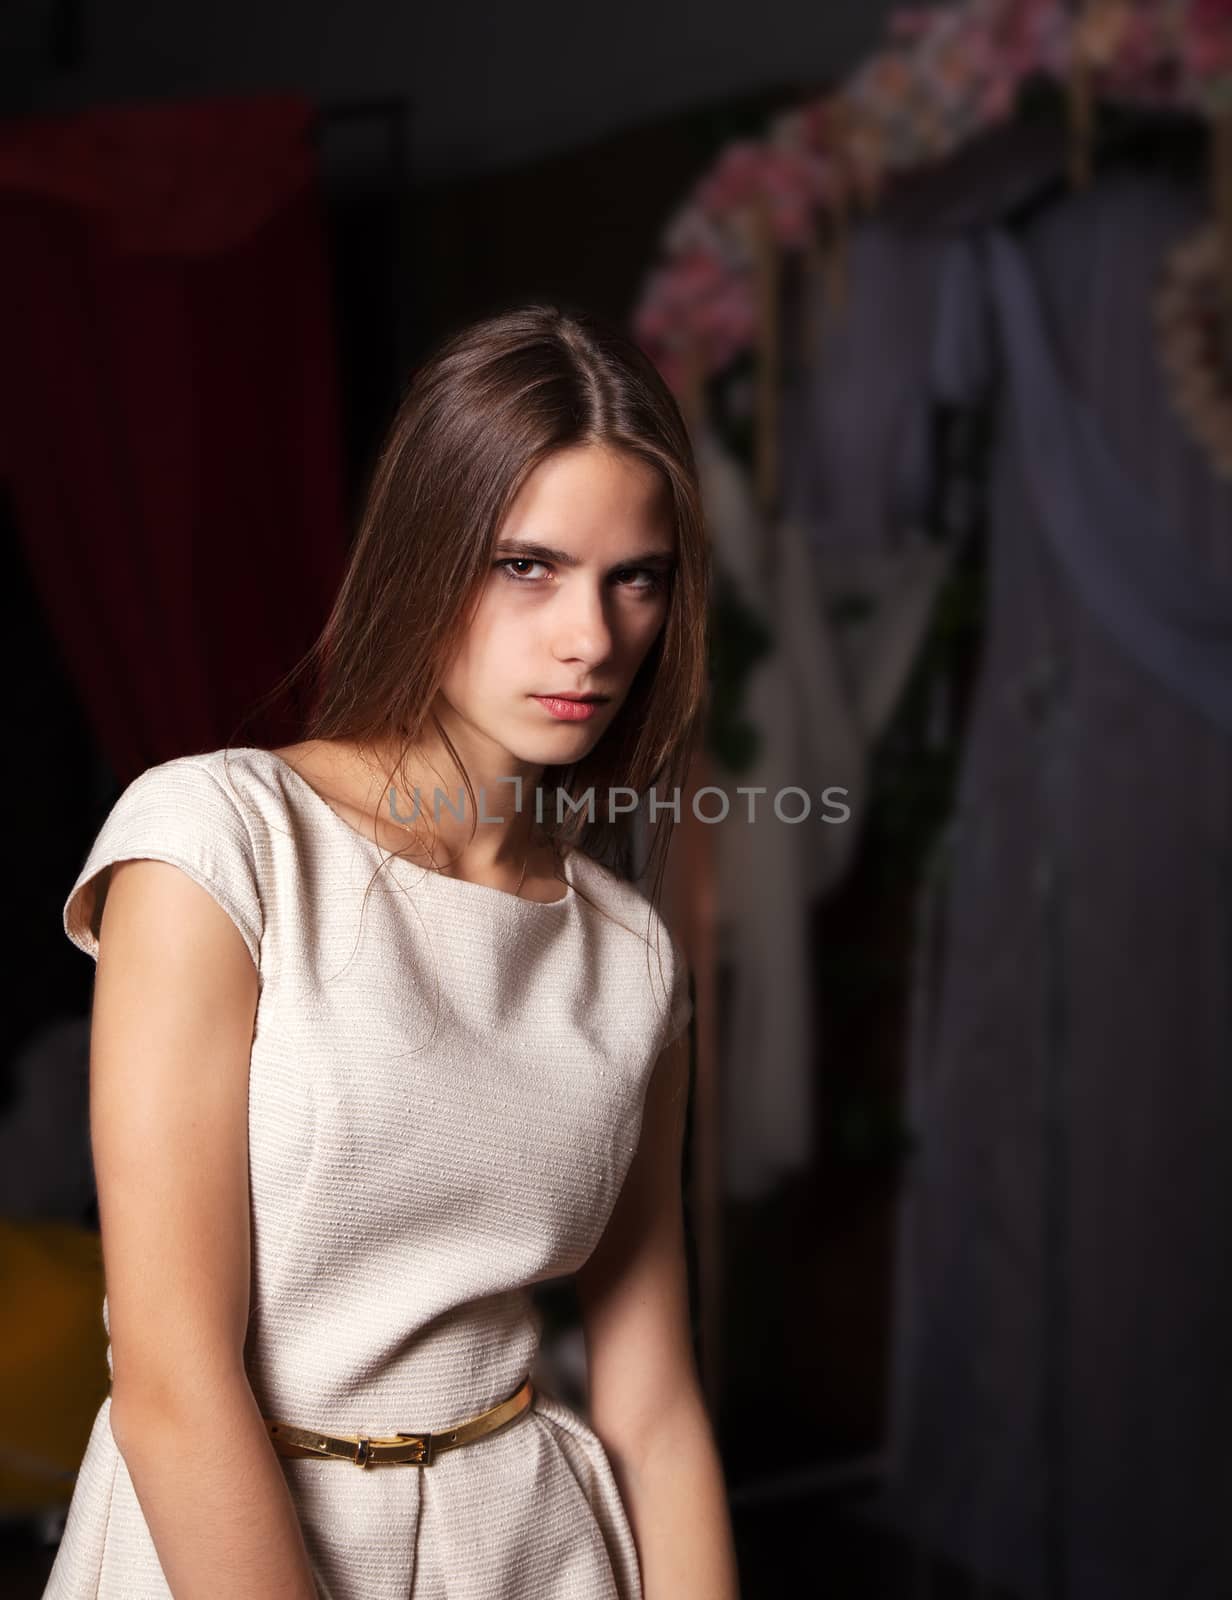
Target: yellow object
(53,1359)
(399,1449)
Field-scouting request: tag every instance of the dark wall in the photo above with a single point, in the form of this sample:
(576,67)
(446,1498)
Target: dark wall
(490,85)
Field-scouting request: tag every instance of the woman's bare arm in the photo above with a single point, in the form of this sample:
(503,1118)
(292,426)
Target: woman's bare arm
(645,1397)
(174,1006)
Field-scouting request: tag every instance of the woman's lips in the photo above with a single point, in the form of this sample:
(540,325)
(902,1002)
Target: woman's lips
(568,710)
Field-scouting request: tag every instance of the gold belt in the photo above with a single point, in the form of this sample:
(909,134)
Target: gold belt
(397,1449)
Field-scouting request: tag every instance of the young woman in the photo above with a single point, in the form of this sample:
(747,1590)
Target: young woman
(382,1035)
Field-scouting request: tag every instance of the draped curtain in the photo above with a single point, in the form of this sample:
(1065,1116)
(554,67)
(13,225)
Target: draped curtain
(169,431)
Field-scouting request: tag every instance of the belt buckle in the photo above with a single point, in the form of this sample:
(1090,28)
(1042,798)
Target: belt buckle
(420,1449)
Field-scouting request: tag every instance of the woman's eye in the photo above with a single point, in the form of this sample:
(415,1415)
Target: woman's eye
(518,561)
(651,579)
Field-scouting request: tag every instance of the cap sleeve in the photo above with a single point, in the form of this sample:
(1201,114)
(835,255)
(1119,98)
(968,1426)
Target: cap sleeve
(180,813)
(681,1009)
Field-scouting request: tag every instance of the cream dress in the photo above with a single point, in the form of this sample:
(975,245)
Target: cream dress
(445,1094)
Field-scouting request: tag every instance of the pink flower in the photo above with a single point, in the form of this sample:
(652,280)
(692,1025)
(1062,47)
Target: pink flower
(1207,47)
(819,123)
(785,180)
(689,278)
(997,98)
(1146,64)
(686,305)
(734,178)
(654,320)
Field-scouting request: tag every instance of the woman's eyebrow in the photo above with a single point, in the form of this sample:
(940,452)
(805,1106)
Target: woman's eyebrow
(542,552)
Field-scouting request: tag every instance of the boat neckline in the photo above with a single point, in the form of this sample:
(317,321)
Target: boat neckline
(450,885)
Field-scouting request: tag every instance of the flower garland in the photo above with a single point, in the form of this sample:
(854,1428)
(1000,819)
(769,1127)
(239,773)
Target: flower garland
(944,74)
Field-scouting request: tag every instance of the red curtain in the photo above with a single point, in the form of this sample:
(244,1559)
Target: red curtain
(169,426)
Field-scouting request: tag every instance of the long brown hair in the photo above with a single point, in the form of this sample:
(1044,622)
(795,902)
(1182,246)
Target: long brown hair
(481,413)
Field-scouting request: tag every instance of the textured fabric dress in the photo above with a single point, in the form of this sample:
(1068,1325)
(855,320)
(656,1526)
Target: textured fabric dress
(445,1094)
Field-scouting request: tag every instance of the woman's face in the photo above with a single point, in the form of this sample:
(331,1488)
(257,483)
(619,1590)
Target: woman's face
(575,613)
